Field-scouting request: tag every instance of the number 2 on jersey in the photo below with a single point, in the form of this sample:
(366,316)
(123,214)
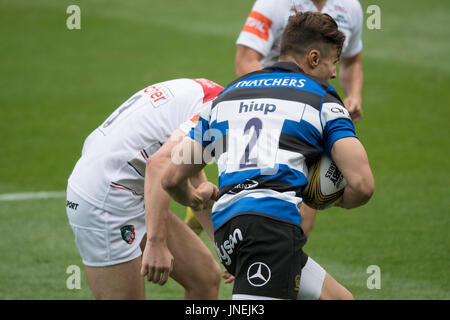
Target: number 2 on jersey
(246,161)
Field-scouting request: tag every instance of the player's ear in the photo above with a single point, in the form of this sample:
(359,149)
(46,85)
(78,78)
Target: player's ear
(314,58)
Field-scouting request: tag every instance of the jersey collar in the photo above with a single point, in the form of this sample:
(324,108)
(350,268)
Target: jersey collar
(286,66)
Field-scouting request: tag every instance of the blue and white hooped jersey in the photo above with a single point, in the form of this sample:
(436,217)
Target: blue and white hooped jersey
(264,130)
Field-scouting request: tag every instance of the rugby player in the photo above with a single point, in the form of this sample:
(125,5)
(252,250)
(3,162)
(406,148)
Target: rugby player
(122,233)
(263,129)
(258,46)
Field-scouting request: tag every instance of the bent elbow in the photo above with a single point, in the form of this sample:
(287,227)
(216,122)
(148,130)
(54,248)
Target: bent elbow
(366,188)
(366,195)
(168,182)
(156,169)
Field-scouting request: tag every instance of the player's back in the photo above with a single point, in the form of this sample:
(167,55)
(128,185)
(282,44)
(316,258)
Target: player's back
(110,173)
(275,122)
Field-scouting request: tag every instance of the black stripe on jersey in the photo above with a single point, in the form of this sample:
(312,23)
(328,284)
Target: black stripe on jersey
(255,184)
(332,96)
(145,152)
(296,144)
(281,93)
(135,169)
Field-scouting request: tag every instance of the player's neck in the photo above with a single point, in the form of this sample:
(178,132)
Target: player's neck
(306,68)
(319,4)
(301,65)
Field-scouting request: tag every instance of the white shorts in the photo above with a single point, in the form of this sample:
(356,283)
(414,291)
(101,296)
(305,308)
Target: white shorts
(311,281)
(104,238)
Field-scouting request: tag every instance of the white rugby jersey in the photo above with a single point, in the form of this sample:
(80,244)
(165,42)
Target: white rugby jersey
(110,172)
(265,24)
(264,129)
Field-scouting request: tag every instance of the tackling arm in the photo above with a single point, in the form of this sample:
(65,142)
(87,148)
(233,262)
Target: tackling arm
(157,261)
(203,216)
(175,177)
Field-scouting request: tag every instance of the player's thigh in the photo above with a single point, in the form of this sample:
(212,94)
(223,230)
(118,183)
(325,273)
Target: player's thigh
(121,281)
(194,263)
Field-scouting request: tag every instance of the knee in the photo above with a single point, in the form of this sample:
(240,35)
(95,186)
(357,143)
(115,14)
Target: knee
(341,294)
(346,295)
(212,275)
(207,284)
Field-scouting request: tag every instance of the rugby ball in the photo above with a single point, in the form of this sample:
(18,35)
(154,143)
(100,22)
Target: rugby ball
(325,184)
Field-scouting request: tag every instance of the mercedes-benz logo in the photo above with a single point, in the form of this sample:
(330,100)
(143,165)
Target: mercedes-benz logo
(258,274)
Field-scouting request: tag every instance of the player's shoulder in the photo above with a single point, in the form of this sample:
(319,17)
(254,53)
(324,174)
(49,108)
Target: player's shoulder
(210,89)
(279,4)
(332,98)
(191,86)
(181,84)
(332,106)
(172,92)
(352,6)
(273,10)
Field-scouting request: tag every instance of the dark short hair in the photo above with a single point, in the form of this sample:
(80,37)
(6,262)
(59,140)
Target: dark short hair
(310,30)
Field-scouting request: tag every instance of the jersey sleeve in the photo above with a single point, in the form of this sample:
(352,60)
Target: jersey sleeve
(354,45)
(187,126)
(200,132)
(336,122)
(261,27)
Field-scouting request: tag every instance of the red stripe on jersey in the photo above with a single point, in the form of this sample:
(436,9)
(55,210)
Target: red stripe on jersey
(210,89)
(121,188)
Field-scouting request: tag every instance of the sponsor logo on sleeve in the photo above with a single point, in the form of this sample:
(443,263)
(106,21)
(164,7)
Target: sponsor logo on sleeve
(158,95)
(258,24)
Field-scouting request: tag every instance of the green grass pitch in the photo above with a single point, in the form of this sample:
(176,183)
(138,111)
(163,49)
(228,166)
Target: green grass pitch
(57,85)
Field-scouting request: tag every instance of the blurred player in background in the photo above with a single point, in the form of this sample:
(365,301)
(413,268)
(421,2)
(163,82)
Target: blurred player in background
(122,233)
(258,46)
(263,129)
